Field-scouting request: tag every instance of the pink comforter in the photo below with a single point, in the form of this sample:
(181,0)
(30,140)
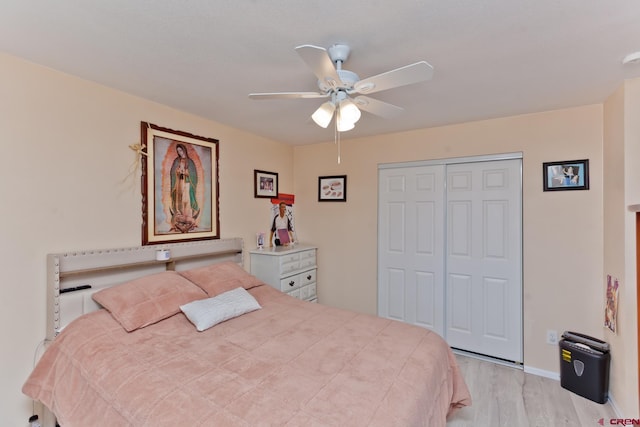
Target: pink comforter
(291,363)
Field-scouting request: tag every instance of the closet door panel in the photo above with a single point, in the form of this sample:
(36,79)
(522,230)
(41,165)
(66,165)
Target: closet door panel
(485,245)
(410,240)
(425,296)
(396,294)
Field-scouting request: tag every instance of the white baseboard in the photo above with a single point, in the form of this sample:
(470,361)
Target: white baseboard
(542,373)
(615,407)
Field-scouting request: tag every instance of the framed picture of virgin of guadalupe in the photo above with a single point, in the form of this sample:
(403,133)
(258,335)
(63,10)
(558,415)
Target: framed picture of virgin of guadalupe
(179,186)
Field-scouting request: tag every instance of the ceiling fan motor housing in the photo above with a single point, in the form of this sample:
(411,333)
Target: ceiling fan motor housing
(339,52)
(348,79)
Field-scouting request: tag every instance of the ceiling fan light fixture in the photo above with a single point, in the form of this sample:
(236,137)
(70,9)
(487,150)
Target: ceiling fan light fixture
(349,111)
(342,123)
(322,116)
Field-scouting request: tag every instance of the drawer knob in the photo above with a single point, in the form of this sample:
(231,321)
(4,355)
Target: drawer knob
(309,277)
(291,283)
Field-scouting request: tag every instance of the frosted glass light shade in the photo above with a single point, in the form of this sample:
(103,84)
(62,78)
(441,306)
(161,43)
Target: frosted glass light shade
(342,124)
(349,111)
(322,116)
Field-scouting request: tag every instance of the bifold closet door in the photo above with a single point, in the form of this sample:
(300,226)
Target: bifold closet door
(484,258)
(450,252)
(411,245)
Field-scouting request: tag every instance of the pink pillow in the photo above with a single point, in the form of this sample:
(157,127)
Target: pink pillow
(218,278)
(147,300)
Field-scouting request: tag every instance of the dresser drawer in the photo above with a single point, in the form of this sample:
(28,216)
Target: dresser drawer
(298,280)
(295,293)
(290,283)
(289,263)
(308,258)
(308,292)
(307,277)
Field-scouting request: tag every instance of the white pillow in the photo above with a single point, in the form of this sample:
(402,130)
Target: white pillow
(206,313)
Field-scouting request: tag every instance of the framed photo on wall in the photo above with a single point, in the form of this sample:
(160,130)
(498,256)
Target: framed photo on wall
(179,186)
(566,175)
(265,184)
(332,188)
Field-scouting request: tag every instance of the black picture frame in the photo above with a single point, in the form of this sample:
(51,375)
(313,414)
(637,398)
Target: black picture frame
(265,184)
(332,188)
(565,175)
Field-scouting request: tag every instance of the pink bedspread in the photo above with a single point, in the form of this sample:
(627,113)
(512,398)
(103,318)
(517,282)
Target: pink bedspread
(291,363)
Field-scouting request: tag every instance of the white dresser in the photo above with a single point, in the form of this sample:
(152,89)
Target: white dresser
(290,269)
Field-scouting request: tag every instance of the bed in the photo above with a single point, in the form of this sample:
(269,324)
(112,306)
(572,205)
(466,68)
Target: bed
(195,340)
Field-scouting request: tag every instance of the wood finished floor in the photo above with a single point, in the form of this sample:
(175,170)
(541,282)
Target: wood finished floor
(505,396)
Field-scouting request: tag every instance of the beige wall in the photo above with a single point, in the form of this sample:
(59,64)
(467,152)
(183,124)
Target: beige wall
(563,231)
(65,184)
(621,180)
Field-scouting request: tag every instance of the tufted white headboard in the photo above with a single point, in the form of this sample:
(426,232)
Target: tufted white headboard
(69,272)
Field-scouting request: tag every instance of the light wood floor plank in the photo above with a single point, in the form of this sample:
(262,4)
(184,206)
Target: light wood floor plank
(506,396)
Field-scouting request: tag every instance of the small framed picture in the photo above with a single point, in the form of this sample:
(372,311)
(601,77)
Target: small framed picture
(332,188)
(265,184)
(566,175)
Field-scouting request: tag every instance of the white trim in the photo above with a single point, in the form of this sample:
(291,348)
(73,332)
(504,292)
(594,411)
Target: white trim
(452,160)
(615,407)
(542,373)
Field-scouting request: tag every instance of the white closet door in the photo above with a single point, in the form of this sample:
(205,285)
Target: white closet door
(411,245)
(484,258)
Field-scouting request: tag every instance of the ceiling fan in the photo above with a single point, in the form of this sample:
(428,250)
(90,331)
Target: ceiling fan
(339,85)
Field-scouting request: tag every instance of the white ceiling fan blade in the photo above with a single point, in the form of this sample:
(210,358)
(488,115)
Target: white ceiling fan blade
(319,61)
(409,74)
(376,107)
(288,95)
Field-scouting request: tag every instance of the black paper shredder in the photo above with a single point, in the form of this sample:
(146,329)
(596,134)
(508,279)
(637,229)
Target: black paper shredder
(584,366)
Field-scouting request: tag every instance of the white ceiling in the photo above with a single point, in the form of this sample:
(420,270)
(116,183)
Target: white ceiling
(492,58)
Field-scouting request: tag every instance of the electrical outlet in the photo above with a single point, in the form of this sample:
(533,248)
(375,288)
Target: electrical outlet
(552,337)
